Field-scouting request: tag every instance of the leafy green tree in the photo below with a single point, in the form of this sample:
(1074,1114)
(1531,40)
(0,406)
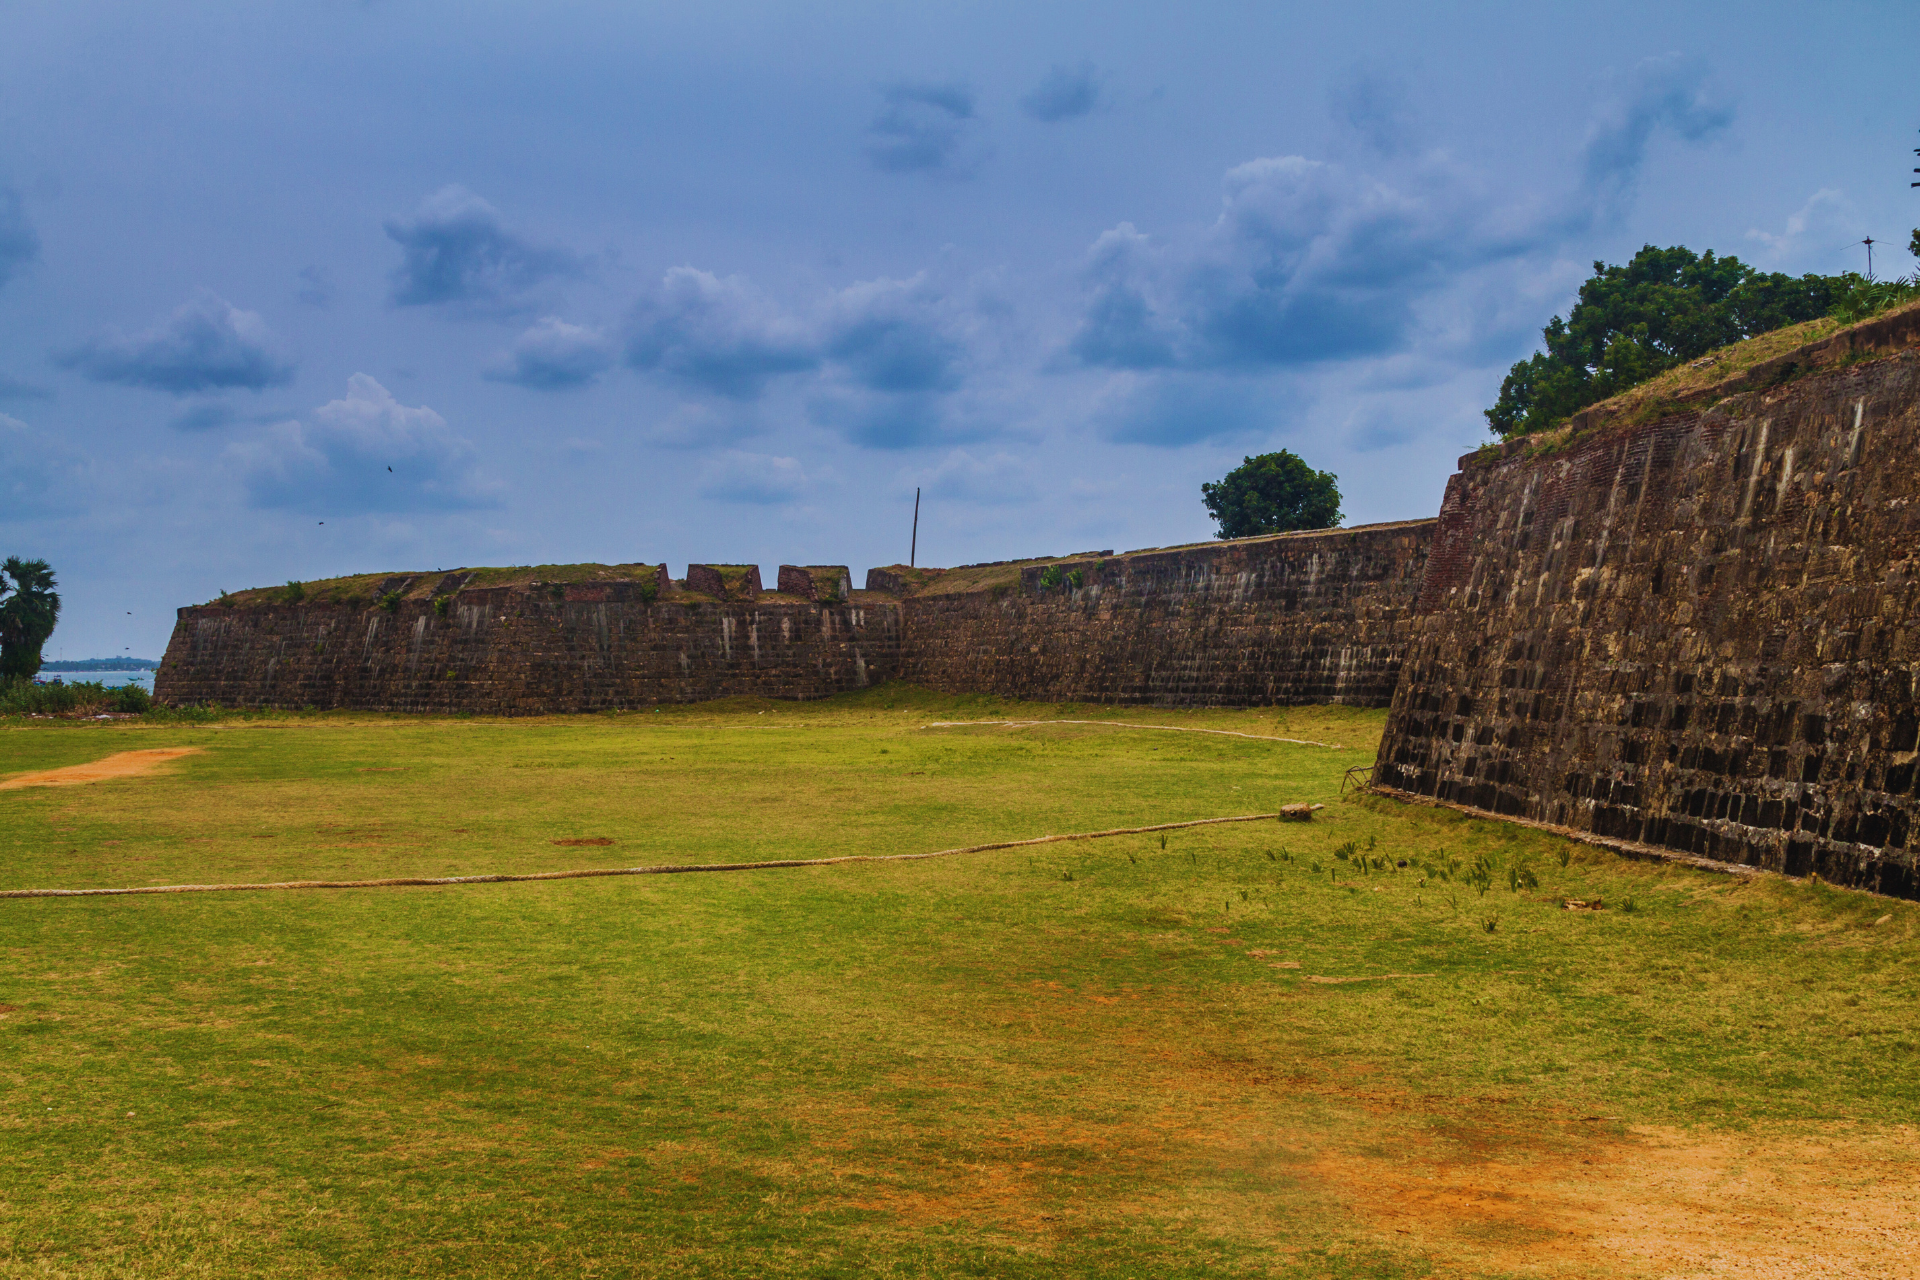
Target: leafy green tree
(1272,493)
(1664,307)
(28,609)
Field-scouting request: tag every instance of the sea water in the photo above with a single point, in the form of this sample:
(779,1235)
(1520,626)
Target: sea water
(111,679)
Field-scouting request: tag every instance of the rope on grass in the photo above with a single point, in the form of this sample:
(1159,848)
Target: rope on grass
(1122,724)
(400,882)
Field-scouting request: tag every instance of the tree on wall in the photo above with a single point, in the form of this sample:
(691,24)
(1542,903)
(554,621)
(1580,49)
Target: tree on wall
(1272,493)
(29,607)
(1664,307)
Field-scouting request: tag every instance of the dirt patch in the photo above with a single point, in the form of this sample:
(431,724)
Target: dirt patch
(1649,1201)
(1365,977)
(1253,1148)
(121,764)
(585,840)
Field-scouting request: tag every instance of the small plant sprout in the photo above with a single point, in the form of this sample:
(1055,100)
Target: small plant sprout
(1371,842)
(1566,855)
(1270,857)
(1163,842)
(1068,875)
(1491,924)
(1135,861)
(1316,866)
(1629,906)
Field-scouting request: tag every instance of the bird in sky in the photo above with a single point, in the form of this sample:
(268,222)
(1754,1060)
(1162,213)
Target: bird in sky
(389,468)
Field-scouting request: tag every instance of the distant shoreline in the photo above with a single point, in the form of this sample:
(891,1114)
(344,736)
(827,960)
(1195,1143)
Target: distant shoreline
(102,664)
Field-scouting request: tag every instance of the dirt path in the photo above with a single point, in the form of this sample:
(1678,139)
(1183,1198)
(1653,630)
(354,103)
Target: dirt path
(121,764)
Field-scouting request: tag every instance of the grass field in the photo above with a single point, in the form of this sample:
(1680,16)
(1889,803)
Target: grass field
(1107,1058)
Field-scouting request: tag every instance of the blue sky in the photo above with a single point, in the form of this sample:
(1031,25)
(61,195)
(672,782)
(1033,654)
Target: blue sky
(300,289)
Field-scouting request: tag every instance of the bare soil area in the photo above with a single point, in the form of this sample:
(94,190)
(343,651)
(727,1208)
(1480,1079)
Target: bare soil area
(121,764)
(1646,1202)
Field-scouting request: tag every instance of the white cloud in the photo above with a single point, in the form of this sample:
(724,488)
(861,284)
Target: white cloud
(923,128)
(1826,221)
(992,480)
(756,478)
(456,248)
(554,356)
(720,335)
(1064,93)
(38,476)
(364,452)
(19,243)
(207,344)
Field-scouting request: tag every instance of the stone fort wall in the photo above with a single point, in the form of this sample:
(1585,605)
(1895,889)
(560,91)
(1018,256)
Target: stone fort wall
(1313,617)
(1699,634)
(502,651)
(1297,618)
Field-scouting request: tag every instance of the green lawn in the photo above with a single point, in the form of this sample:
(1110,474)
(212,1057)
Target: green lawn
(1077,1059)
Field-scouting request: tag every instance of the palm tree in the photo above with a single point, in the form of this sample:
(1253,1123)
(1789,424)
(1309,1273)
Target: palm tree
(29,607)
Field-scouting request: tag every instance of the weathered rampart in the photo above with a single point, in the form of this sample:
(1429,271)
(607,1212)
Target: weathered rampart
(1699,634)
(1294,618)
(525,650)
(1312,617)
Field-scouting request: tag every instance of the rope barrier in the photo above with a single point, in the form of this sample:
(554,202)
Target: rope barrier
(1122,724)
(398,882)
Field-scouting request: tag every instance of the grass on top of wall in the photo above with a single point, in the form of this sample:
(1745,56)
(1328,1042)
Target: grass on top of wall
(363,588)
(1108,1058)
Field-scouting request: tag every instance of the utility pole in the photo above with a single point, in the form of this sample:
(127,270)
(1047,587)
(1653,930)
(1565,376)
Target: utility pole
(913,548)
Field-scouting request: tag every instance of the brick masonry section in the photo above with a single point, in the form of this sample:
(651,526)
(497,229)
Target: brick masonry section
(1297,618)
(506,651)
(1699,634)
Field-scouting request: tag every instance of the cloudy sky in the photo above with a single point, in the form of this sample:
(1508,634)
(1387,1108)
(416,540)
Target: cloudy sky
(297,289)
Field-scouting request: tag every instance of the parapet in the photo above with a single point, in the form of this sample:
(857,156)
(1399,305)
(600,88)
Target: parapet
(817,582)
(900,579)
(725,581)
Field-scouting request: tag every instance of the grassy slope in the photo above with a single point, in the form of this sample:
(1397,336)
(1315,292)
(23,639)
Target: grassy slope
(1659,395)
(968,1066)
(363,587)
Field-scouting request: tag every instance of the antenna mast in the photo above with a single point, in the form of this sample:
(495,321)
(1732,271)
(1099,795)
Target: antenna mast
(913,548)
